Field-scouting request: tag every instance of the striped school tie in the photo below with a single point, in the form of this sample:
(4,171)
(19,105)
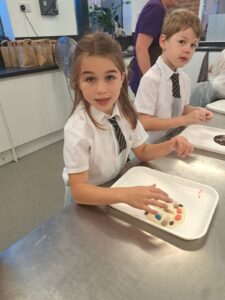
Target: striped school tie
(176,85)
(119,135)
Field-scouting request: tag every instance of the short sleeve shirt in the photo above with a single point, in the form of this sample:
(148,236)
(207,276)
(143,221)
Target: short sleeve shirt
(89,148)
(154,96)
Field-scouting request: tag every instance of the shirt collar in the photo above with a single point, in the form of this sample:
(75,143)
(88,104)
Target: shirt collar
(166,71)
(100,116)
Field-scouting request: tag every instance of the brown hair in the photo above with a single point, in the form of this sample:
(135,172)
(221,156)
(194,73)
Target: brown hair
(102,44)
(181,19)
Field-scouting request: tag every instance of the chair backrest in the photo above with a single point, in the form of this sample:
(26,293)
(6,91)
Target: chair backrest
(203,73)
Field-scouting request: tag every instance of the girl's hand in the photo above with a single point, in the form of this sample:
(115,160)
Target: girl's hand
(143,196)
(181,145)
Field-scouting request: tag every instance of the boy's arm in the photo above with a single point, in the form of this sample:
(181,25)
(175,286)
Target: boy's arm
(179,144)
(196,115)
(191,115)
(151,123)
(189,108)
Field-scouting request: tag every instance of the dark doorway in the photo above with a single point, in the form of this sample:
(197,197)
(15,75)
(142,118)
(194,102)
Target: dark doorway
(82,16)
(1,29)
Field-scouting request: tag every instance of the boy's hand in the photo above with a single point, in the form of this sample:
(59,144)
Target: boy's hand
(198,115)
(181,145)
(143,196)
(207,113)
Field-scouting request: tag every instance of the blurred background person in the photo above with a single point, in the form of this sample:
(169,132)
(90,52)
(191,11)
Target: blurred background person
(213,88)
(146,38)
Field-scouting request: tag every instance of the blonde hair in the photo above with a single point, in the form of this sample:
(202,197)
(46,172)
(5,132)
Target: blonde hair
(102,44)
(181,19)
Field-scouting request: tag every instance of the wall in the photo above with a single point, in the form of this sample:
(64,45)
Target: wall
(193,5)
(33,110)
(62,24)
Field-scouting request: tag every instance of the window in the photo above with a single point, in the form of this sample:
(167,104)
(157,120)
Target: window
(213,20)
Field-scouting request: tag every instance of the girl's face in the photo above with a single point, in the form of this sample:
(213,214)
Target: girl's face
(179,48)
(100,82)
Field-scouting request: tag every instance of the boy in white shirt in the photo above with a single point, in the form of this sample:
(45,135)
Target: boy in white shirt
(161,101)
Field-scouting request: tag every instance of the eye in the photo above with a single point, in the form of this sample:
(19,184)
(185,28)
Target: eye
(89,79)
(194,45)
(110,77)
(182,42)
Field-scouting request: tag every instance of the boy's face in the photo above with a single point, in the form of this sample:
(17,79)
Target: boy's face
(179,48)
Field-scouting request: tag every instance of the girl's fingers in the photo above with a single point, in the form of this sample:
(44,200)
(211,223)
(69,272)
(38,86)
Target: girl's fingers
(157,203)
(187,151)
(159,196)
(157,190)
(147,209)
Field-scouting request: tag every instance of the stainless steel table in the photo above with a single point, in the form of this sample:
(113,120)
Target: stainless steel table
(88,253)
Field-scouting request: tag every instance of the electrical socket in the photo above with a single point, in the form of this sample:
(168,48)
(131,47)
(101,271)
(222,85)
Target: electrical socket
(26,5)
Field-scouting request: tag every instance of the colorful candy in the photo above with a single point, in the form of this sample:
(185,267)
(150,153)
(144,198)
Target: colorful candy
(171,216)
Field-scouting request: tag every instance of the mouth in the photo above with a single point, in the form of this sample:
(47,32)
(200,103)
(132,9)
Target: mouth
(184,59)
(103,101)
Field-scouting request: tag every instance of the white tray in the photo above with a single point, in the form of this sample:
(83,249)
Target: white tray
(202,137)
(199,200)
(217,106)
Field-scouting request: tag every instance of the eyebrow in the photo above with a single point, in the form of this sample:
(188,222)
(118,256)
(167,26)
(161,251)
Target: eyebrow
(90,72)
(185,38)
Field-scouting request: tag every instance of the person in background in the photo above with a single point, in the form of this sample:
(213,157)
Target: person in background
(213,88)
(162,100)
(104,127)
(146,39)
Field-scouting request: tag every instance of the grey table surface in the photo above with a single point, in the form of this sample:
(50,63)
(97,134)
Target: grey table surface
(93,253)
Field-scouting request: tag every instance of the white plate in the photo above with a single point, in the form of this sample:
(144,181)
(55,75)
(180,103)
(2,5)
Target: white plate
(202,137)
(217,106)
(199,200)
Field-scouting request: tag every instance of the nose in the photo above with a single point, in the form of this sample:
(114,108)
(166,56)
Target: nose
(188,48)
(100,87)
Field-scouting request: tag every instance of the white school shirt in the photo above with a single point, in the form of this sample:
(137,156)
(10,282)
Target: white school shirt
(88,148)
(154,96)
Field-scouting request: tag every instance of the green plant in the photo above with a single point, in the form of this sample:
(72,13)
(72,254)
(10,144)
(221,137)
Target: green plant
(104,18)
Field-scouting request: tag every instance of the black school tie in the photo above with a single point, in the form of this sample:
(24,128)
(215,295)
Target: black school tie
(119,135)
(176,85)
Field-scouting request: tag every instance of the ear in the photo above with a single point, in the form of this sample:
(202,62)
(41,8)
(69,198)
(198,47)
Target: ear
(123,76)
(162,41)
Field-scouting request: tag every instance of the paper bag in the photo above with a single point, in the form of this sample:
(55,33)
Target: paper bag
(13,54)
(44,52)
(26,54)
(6,54)
(53,50)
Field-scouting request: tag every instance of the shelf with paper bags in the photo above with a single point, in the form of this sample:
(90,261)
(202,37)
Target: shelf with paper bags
(27,56)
